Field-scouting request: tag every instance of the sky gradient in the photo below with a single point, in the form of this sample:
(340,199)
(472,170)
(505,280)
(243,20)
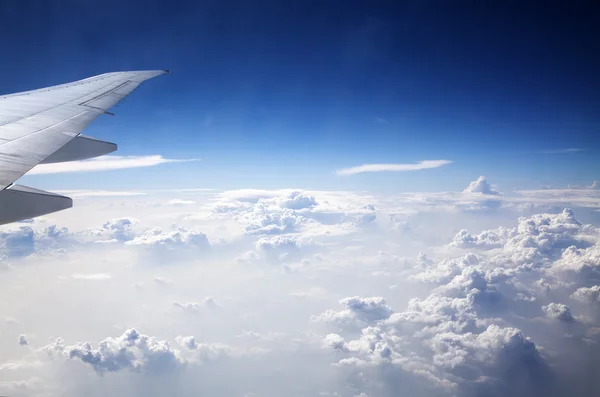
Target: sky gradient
(272,94)
(324,198)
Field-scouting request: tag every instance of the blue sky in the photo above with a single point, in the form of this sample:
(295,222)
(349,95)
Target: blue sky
(272,94)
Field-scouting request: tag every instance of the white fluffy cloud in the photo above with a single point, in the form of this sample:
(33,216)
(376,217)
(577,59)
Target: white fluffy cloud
(173,239)
(558,311)
(435,294)
(481,185)
(132,350)
(359,311)
(138,353)
(584,294)
(463,335)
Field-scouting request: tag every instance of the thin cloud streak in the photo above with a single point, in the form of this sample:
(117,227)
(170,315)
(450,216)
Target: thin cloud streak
(92,276)
(104,163)
(421,165)
(97,193)
(562,151)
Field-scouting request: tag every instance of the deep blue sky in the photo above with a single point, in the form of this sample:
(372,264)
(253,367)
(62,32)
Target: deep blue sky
(283,93)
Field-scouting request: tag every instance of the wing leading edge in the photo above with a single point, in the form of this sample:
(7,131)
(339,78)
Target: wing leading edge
(45,126)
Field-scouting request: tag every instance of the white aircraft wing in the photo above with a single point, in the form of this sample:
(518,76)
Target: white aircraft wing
(45,125)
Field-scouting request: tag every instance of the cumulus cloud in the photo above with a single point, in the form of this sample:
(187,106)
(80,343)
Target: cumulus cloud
(23,340)
(203,352)
(467,331)
(296,201)
(174,239)
(274,223)
(118,229)
(188,306)
(486,240)
(131,350)
(25,240)
(18,242)
(585,294)
(481,185)
(421,165)
(359,311)
(277,244)
(443,342)
(481,306)
(558,311)
(194,307)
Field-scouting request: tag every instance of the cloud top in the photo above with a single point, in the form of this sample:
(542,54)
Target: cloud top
(481,185)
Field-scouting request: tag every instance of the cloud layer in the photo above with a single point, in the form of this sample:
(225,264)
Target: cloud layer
(337,293)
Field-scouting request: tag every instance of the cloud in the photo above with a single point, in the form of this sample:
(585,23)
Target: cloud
(118,229)
(594,186)
(131,350)
(274,223)
(562,151)
(585,294)
(104,163)
(421,165)
(18,242)
(482,305)
(558,311)
(180,202)
(193,307)
(210,303)
(188,306)
(172,239)
(481,185)
(23,340)
(358,311)
(97,193)
(92,276)
(461,337)
(297,200)
(162,281)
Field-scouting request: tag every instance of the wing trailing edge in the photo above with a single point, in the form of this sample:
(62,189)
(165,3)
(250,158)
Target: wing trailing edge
(26,202)
(81,148)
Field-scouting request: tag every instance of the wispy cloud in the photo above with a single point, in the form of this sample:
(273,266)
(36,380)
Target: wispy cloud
(92,276)
(421,165)
(97,193)
(104,163)
(561,151)
(181,202)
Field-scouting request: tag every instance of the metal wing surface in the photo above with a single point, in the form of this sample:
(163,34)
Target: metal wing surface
(45,125)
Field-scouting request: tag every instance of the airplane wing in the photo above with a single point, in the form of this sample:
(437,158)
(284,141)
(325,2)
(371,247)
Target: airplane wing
(45,126)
